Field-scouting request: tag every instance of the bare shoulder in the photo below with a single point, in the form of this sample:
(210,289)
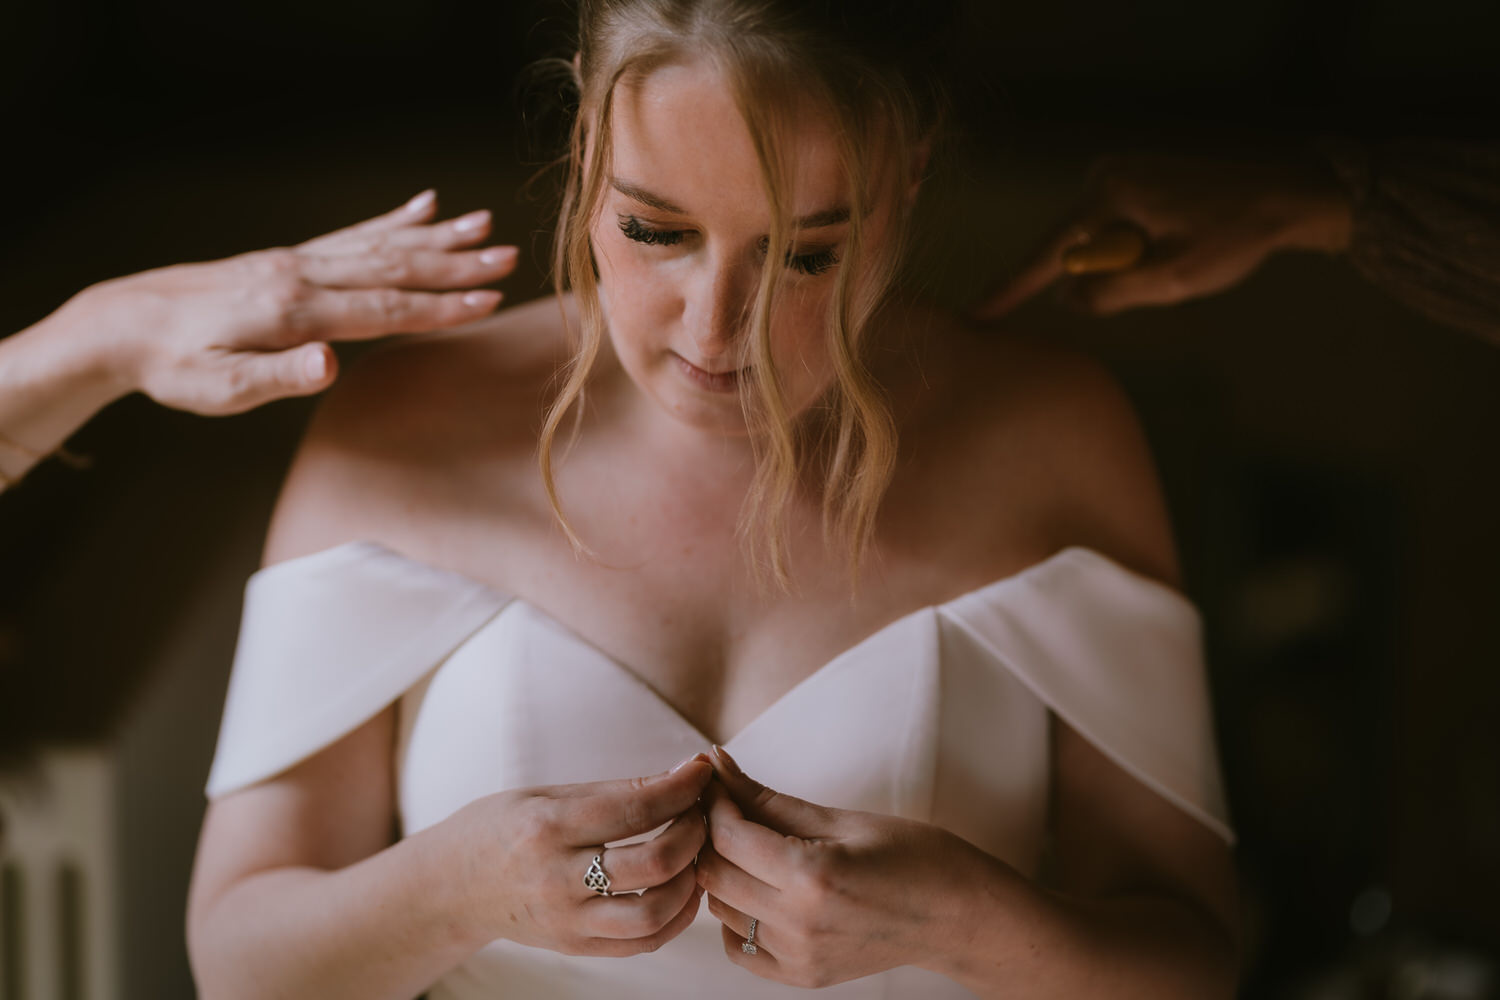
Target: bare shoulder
(415,425)
(1049,433)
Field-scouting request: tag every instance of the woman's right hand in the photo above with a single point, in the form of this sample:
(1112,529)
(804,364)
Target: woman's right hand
(526,853)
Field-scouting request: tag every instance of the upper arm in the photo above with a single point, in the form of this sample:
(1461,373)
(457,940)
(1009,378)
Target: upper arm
(327,812)
(347,482)
(1112,834)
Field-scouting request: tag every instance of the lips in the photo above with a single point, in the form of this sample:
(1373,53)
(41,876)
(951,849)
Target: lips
(726,381)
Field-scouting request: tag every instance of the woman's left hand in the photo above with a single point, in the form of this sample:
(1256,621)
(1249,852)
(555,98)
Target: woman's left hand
(836,894)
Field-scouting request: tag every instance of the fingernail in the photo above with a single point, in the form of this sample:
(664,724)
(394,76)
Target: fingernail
(472,221)
(315,366)
(477,299)
(729,762)
(697,756)
(497,255)
(422,201)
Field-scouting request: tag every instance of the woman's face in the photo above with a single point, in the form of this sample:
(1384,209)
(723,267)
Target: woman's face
(682,237)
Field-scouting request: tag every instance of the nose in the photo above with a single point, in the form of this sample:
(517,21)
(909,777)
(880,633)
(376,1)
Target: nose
(718,308)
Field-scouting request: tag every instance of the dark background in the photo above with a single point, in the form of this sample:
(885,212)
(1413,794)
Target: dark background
(1329,456)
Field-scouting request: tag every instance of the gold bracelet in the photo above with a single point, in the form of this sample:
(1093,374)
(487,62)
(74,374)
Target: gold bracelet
(21,449)
(68,458)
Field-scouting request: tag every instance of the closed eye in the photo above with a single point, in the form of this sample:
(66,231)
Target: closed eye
(635,229)
(812,262)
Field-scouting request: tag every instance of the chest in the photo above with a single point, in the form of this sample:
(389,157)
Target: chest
(670,592)
(675,592)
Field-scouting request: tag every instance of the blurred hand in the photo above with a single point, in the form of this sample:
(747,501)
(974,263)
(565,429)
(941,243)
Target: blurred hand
(1156,230)
(524,854)
(226,336)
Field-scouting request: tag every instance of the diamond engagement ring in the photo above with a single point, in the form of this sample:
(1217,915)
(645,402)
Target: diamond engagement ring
(749,945)
(596,878)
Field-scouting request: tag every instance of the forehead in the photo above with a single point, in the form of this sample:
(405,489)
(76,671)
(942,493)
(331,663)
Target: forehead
(678,133)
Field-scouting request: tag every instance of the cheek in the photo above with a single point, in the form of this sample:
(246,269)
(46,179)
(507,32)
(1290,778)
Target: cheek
(799,327)
(638,295)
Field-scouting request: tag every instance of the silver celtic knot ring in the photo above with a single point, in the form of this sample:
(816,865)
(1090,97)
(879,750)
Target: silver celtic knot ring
(748,947)
(596,878)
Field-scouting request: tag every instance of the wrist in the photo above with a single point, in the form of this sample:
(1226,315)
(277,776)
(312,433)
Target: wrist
(990,919)
(1316,211)
(100,358)
(446,880)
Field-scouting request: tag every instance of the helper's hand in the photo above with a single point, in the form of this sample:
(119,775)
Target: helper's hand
(523,856)
(836,894)
(1156,230)
(226,336)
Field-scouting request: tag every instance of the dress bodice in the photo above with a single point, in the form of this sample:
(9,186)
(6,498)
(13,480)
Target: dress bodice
(941,716)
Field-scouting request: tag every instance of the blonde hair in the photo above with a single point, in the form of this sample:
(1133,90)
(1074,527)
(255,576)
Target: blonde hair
(776,55)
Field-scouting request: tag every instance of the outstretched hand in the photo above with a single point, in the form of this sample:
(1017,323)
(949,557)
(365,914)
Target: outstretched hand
(226,336)
(1156,230)
(836,894)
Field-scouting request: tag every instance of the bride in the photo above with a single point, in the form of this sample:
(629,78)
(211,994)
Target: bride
(895,600)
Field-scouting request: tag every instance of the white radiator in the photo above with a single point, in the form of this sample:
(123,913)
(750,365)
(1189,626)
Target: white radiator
(59,879)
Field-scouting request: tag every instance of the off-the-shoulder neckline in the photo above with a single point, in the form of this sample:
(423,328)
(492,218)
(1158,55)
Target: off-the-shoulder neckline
(1072,555)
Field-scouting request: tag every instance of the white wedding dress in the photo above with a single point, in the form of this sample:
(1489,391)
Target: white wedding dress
(941,716)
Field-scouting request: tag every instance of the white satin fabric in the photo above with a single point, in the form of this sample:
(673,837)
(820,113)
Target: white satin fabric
(940,716)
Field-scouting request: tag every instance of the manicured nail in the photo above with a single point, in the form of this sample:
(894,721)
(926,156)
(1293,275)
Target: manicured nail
(315,366)
(497,255)
(477,299)
(421,202)
(472,221)
(729,762)
(697,756)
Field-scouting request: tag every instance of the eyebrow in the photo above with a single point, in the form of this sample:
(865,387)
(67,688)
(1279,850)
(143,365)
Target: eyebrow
(817,220)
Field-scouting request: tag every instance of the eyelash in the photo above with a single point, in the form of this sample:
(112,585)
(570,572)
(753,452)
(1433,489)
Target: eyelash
(812,263)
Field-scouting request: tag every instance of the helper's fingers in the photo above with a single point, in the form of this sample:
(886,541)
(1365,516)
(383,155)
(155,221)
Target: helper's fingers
(252,379)
(632,867)
(634,915)
(418,209)
(465,231)
(601,812)
(1159,284)
(412,269)
(360,314)
(1114,248)
(1045,265)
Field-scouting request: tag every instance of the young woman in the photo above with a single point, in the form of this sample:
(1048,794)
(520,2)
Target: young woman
(916,581)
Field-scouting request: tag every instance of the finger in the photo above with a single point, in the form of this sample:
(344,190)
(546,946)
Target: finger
(625,947)
(358,315)
(419,208)
(763,963)
(633,915)
(465,231)
(1114,248)
(1044,266)
(734,885)
(1158,284)
(605,811)
(654,862)
(413,269)
(783,813)
(736,920)
(256,379)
